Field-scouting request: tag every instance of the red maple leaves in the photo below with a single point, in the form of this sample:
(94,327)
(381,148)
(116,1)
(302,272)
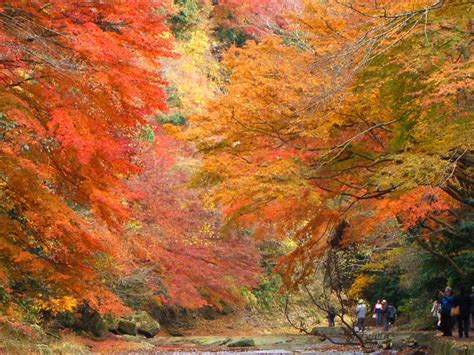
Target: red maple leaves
(77,84)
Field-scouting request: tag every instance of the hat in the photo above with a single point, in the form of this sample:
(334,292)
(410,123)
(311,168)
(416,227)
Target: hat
(362,301)
(384,301)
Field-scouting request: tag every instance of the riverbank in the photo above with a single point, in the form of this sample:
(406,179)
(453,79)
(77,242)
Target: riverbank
(378,343)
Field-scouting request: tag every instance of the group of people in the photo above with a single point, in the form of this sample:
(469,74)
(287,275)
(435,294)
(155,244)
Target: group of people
(383,313)
(450,309)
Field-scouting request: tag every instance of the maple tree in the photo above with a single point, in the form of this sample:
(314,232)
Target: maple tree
(179,235)
(344,124)
(80,84)
(76,84)
(254,17)
(366,118)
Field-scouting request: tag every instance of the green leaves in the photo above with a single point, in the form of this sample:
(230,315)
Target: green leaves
(175,118)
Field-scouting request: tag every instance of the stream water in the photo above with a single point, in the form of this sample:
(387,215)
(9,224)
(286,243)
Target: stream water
(271,344)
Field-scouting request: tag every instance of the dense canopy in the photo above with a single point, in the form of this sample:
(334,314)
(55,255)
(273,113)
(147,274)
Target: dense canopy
(150,149)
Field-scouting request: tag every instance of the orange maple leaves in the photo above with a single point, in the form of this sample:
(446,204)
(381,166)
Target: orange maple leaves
(76,85)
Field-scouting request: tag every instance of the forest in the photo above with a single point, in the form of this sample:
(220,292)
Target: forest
(183,167)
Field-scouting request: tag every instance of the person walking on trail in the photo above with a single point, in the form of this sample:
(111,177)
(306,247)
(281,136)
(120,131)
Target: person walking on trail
(464,303)
(391,315)
(385,320)
(471,298)
(331,316)
(378,310)
(436,312)
(446,301)
(361,313)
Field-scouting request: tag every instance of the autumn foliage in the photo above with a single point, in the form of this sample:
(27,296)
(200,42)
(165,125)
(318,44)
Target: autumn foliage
(362,119)
(255,17)
(78,85)
(337,124)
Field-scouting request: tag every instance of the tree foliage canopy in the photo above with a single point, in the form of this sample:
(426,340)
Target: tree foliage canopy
(365,119)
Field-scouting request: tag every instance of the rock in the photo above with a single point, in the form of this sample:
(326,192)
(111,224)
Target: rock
(127,327)
(385,344)
(329,332)
(403,342)
(221,342)
(111,323)
(410,342)
(209,313)
(226,310)
(243,343)
(66,319)
(175,333)
(226,341)
(90,321)
(146,324)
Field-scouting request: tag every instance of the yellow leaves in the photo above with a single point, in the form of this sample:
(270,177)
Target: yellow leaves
(57,305)
(165,35)
(197,45)
(173,130)
(414,169)
(208,203)
(13,311)
(207,230)
(196,73)
(298,131)
(289,244)
(361,283)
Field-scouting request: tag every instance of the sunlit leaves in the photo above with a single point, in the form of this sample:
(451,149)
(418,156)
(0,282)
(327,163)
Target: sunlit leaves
(367,120)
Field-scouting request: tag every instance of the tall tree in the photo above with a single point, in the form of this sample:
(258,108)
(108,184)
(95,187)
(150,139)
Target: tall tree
(364,119)
(178,235)
(77,81)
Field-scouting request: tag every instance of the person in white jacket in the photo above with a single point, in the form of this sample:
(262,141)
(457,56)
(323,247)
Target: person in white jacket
(436,312)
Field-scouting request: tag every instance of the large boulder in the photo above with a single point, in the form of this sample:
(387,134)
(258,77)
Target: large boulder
(86,319)
(146,324)
(127,327)
(112,323)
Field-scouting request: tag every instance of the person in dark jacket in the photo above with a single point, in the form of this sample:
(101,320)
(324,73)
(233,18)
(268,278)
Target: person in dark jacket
(464,303)
(446,302)
(392,314)
(471,298)
(388,315)
(331,316)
